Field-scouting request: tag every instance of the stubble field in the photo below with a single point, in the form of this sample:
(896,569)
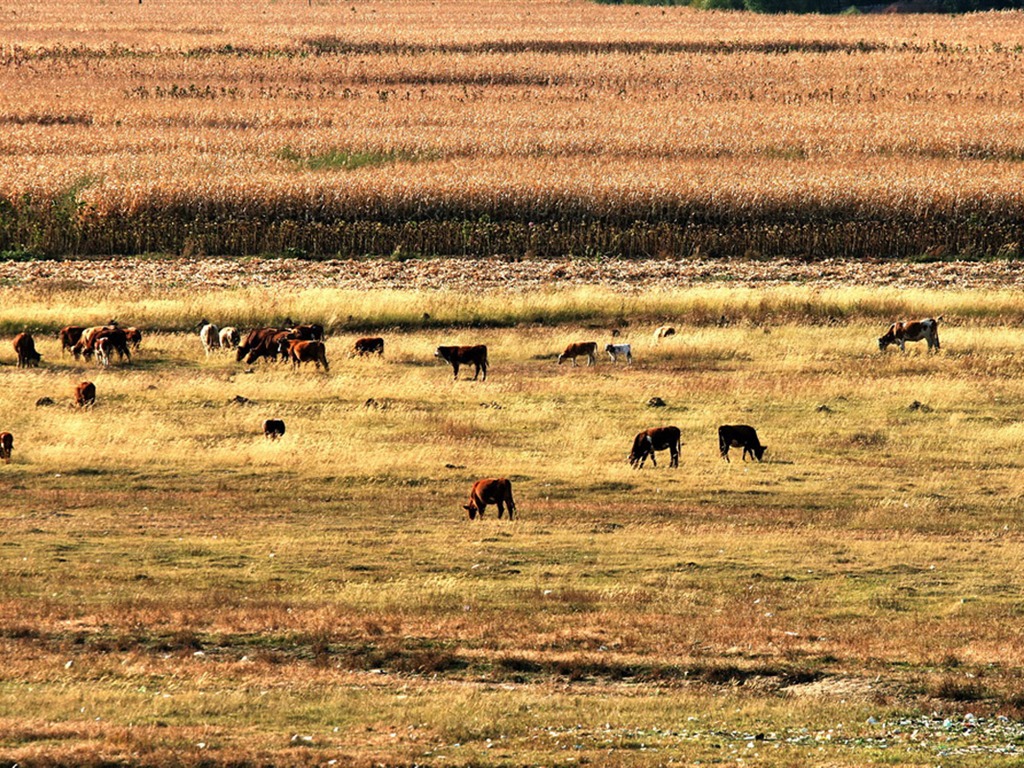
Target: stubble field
(178,590)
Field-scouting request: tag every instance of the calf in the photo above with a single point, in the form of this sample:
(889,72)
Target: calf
(307,351)
(228,337)
(655,439)
(6,446)
(588,348)
(475,356)
(103,350)
(900,333)
(493,490)
(85,394)
(615,351)
(369,345)
(740,436)
(25,347)
(273,428)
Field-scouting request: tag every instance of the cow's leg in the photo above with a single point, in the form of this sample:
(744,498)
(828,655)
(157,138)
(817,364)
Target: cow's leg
(629,357)
(501,508)
(675,456)
(455,367)
(574,365)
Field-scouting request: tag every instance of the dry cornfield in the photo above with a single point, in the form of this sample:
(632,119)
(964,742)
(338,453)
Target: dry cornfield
(553,128)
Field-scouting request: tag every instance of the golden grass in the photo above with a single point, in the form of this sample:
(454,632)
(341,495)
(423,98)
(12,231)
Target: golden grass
(174,574)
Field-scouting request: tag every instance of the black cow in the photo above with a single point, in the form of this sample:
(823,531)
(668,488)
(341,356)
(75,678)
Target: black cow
(740,436)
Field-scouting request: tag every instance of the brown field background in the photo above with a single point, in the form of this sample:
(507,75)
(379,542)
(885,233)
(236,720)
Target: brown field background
(547,128)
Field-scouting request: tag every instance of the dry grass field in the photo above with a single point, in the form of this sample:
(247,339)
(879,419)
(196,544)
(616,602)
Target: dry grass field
(548,128)
(177,590)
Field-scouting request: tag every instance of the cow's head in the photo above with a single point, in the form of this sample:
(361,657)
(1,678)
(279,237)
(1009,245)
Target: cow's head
(471,508)
(441,352)
(561,358)
(759,452)
(885,341)
(240,353)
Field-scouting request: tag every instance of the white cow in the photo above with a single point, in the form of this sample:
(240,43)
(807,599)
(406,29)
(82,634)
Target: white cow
(620,350)
(229,337)
(663,332)
(209,334)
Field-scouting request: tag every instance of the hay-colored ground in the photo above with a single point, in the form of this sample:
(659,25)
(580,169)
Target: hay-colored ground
(177,589)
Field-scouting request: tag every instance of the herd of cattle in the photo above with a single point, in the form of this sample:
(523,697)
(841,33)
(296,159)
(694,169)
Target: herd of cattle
(302,343)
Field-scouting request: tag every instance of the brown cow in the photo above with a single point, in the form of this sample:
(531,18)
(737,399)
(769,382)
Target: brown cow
(900,333)
(86,342)
(475,356)
(493,490)
(116,341)
(85,394)
(369,345)
(259,343)
(134,337)
(588,348)
(69,336)
(273,428)
(25,347)
(655,439)
(309,332)
(6,446)
(307,351)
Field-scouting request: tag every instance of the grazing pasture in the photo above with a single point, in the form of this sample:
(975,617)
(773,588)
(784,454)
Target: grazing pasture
(177,589)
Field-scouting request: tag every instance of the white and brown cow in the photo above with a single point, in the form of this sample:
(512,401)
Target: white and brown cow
(580,349)
(900,333)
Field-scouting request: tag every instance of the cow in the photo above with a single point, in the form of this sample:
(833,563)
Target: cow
(103,350)
(663,332)
(493,490)
(307,351)
(273,428)
(85,394)
(740,436)
(259,343)
(116,340)
(134,337)
(615,351)
(6,446)
(25,348)
(369,345)
(69,336)
(655,439)
(588,348)
(475,356)
(209,335)
(309,332)
(87,341)
(899,333)
(228,337)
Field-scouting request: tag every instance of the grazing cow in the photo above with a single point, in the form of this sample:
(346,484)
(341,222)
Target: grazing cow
(307,351)
(86,343)
(134,337)
(6,446)
(103,350)
(663,332)
(209,335)
(588,348)
(655,439)
(369,345)
(900,333)
(493,490)
(228,337)
(273,428)
(25,347)
(615,351)
(311,332)
(475,356)
(85,394)
(740,436)
(259,343)
(69,336)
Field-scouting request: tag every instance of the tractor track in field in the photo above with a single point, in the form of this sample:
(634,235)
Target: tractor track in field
(498,274)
